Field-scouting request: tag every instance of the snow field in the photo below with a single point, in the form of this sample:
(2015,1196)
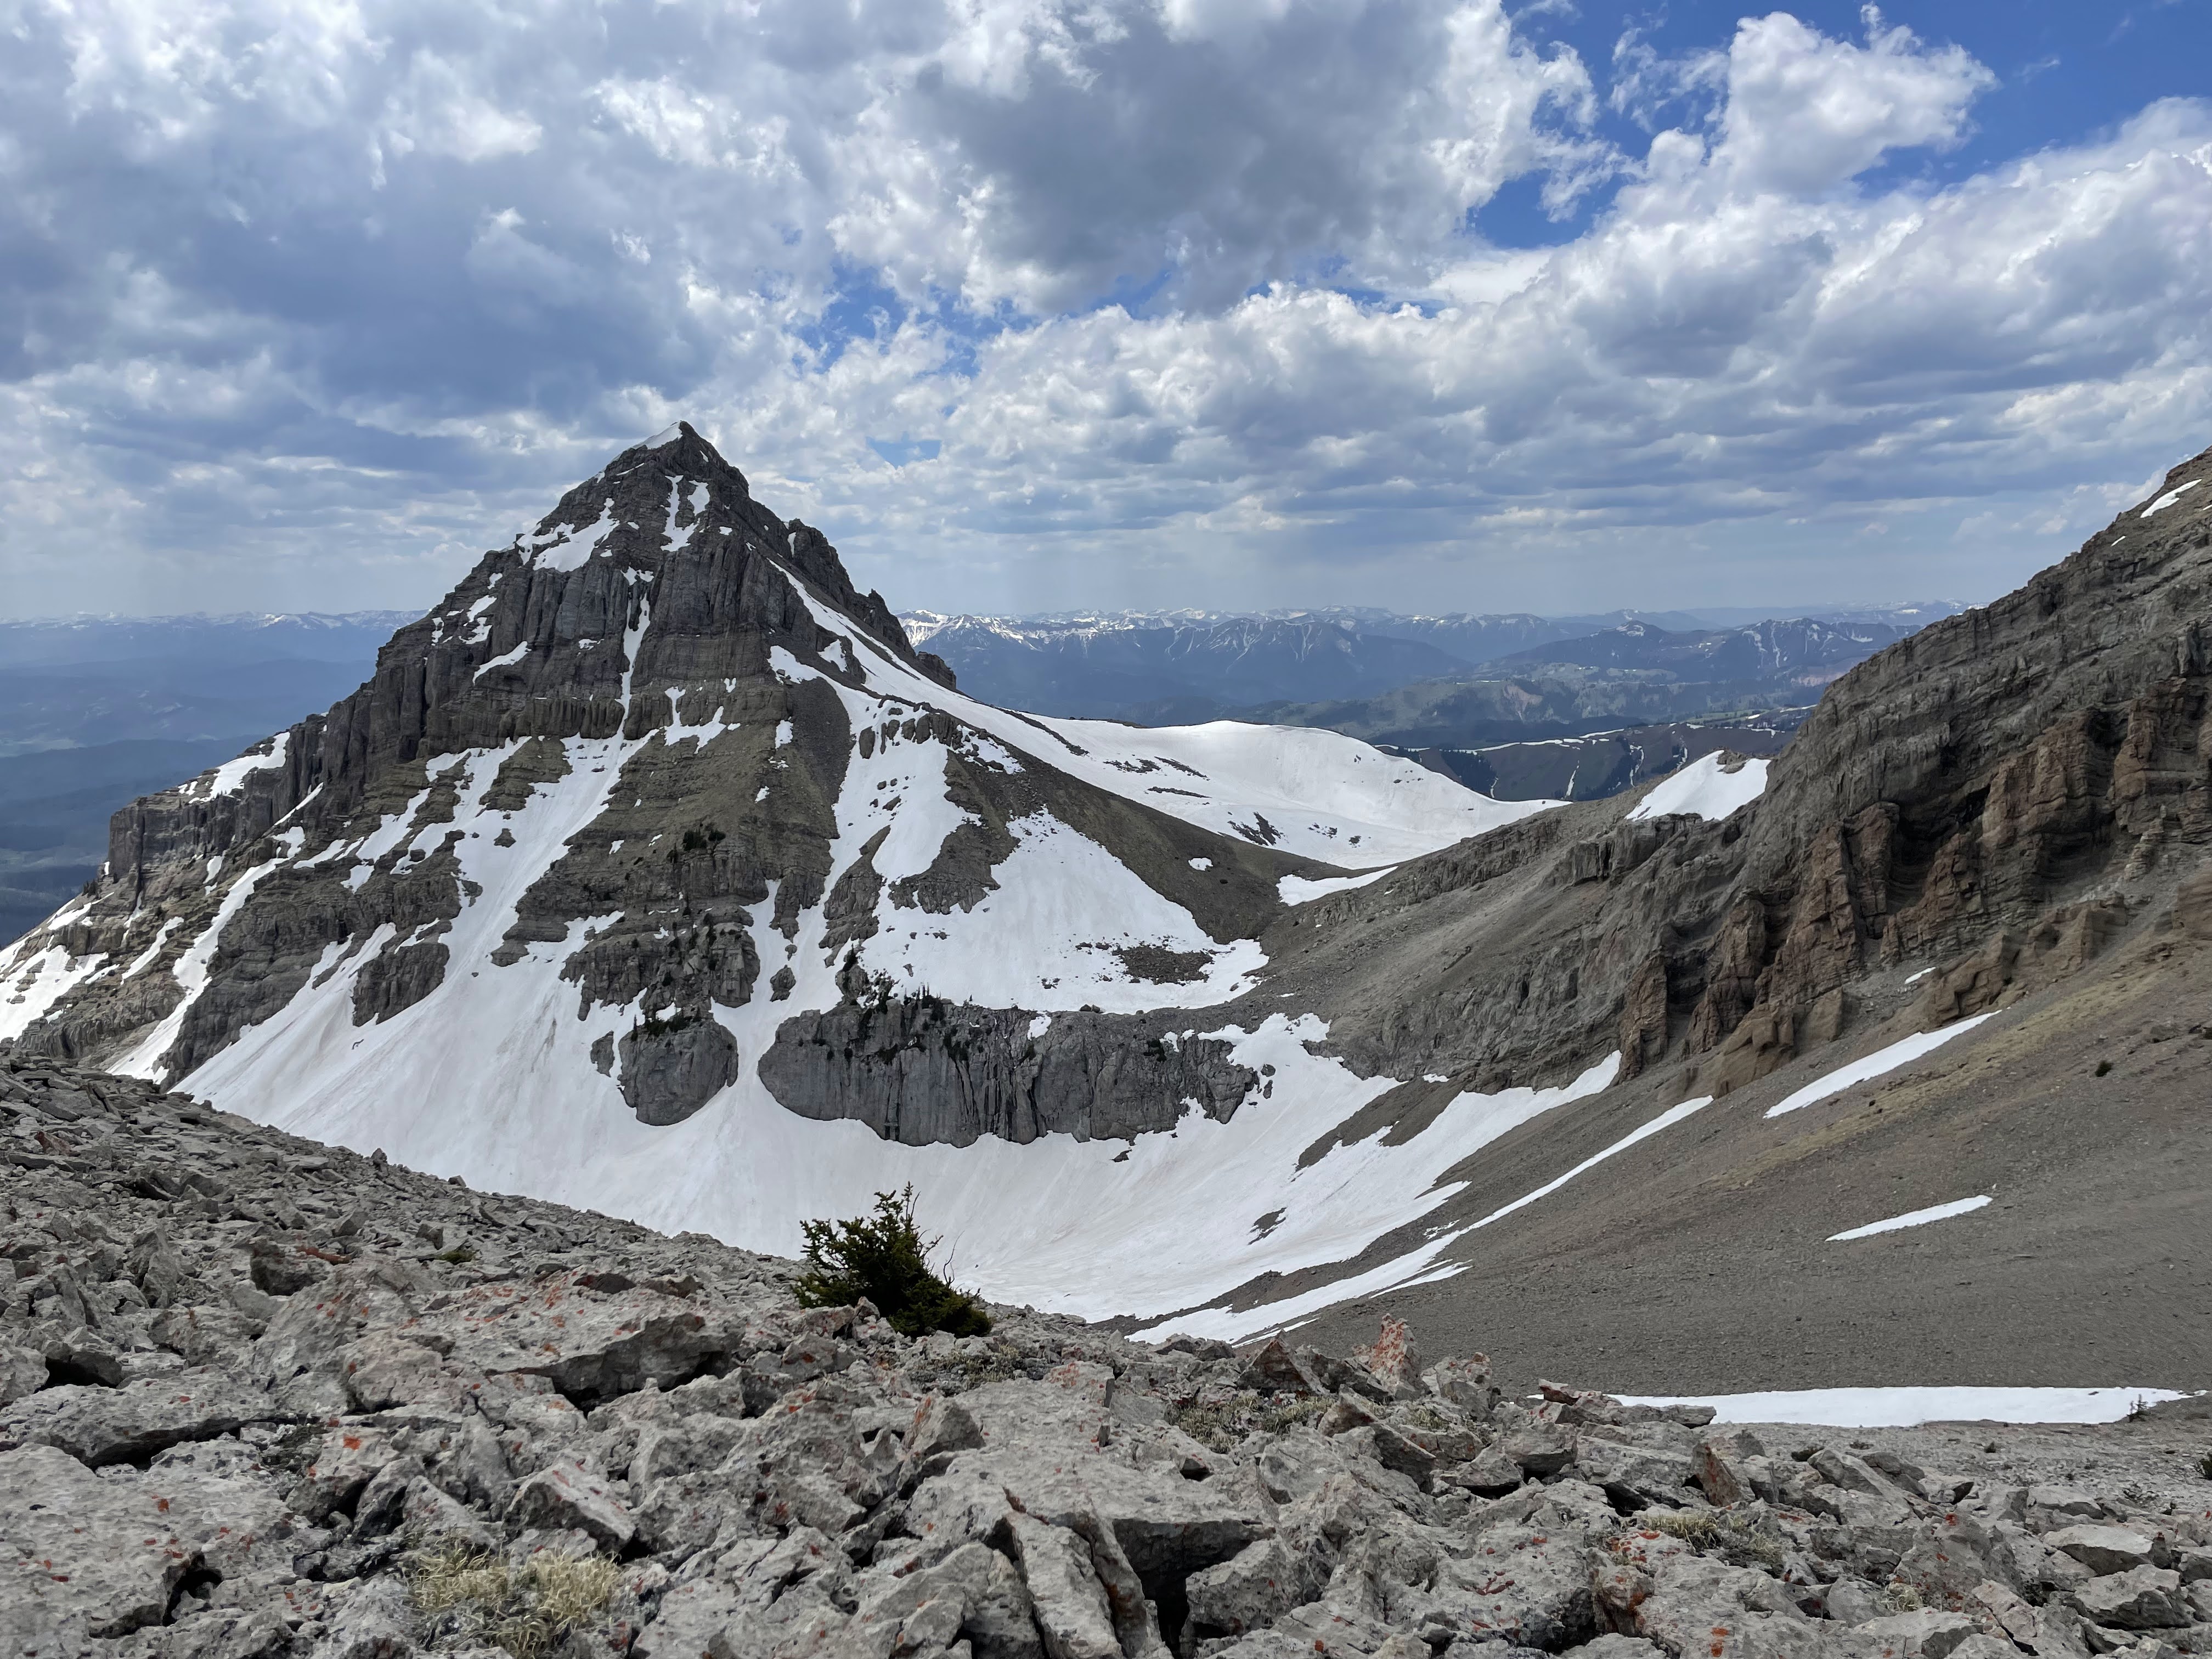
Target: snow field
(1421,1266)
(1046,938)
(35,981)
(1045,935)
(1907,1408)
(1704,789)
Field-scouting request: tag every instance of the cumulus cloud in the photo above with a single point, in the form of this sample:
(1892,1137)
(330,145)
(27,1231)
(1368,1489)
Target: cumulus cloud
(1173,298)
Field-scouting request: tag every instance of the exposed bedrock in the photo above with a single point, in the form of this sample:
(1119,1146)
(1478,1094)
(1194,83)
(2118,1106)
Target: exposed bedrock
(669,1071)
(1992,797)
(919,1070)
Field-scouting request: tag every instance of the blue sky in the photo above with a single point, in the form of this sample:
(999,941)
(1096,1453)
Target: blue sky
(1032,303)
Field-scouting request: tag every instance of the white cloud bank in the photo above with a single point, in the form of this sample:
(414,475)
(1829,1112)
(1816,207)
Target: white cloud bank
(305,302)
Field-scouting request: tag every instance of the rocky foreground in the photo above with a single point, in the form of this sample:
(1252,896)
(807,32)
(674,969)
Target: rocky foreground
(261,1399)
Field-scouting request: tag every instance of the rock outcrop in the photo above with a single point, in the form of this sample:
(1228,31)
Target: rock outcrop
(318,1407)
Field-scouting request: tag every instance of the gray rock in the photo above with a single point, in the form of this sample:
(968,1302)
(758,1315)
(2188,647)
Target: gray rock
(668,1073)
(1929,1634)
(99,1426)
(1539,1449)
(2065,1500)
(572,1500)
(861,1509)
(1634,1474)
(2102,1549)
(1250,1590)
(2141,1598)
(1524,1585)
(23,1370)
(83,1558)
(1069,1601)
(941,1426)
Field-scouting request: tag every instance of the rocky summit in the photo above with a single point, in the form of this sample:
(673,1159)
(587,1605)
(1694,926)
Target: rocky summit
(262,1399)
(656,871)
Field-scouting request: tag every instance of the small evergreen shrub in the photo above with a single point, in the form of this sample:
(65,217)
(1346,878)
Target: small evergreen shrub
(884,1258)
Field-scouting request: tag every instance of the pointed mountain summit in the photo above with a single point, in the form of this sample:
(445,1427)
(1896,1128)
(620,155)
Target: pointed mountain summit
(654,809)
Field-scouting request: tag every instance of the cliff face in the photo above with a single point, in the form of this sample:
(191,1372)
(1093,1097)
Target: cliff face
(1994,797)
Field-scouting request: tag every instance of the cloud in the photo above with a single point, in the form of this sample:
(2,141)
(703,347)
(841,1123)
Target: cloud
(308,303)
(1806,114)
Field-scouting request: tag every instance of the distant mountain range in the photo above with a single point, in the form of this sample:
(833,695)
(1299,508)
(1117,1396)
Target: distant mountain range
(1159,668)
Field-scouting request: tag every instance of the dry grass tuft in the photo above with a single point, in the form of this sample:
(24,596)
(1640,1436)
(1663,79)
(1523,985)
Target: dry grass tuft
(1716,1533)
(524,1610)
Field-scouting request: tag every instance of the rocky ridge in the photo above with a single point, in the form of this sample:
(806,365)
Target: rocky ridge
(265,1399)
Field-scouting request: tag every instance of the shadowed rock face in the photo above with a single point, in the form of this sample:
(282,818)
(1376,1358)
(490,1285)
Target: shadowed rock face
(920,1071)
(667,1075)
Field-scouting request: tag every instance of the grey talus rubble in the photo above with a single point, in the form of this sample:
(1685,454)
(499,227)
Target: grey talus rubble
(261,1399)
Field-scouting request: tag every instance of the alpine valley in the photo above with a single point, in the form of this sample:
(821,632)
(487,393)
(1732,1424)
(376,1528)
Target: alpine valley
(655,871)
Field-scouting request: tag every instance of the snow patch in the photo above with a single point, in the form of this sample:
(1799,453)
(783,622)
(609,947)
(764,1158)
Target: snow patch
(1665,1120)
(145,958)
(1419,1266)
(1302,889)
(37,981)
(1914,1219)
(505,659)
(2169,498)
(1471,1123)
(1706,788)
(1051,936)
(569,549)
(190,972)
(1882,1060)
(230,777)
(1317,795)
(479,624)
